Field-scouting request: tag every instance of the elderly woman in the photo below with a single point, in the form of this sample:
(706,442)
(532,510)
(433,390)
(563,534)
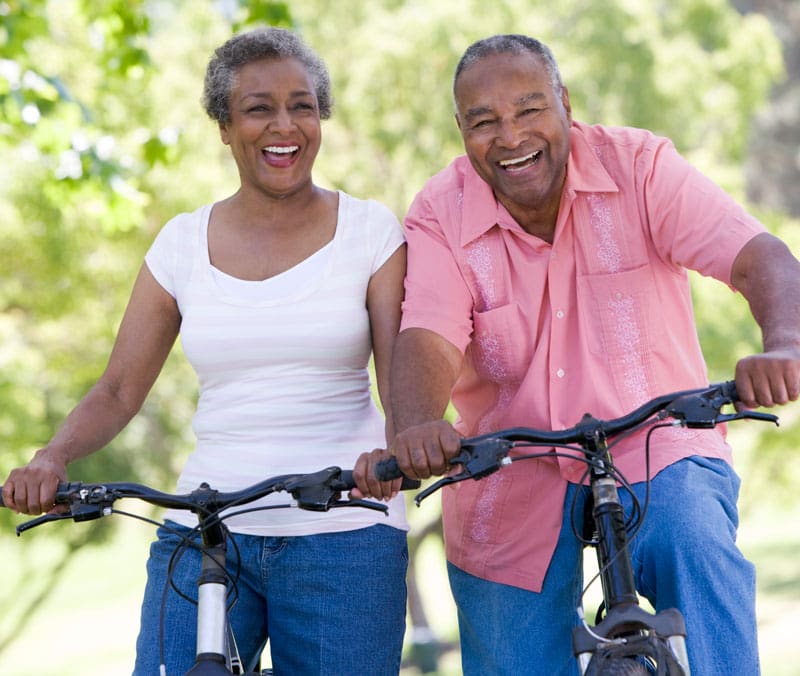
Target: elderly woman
(280,293)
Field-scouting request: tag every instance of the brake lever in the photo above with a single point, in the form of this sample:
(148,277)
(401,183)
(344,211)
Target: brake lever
(704,412)
(357,502)
(78,512)
(749,415)
(39,520)
(478,459)
(436,485)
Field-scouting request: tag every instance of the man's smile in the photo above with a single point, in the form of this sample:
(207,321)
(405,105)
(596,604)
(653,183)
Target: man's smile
(519,163)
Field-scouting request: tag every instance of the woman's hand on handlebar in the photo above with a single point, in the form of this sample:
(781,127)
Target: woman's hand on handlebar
(367,485)
(31,489)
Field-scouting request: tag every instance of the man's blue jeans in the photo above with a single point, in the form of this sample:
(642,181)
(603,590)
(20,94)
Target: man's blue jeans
(330,604)
(684,557)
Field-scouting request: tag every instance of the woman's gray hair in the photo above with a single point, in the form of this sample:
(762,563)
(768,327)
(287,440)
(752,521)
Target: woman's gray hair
(254,45)
(510,44)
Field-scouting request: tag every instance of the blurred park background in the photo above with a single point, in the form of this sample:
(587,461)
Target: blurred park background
(103,139)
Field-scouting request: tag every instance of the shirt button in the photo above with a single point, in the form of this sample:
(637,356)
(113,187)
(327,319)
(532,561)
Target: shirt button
(560,373)
(560,314)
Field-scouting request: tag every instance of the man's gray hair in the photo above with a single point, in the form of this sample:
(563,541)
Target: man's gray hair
(255,45)
(510,44)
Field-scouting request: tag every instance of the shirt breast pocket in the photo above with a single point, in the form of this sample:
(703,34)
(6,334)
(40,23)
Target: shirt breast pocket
(619,312)
(502,344)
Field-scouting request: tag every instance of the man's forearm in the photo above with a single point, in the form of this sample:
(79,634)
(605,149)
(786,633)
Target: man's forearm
(768,276)
(424,369)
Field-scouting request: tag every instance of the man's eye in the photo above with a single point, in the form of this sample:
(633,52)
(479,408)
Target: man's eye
(481,123)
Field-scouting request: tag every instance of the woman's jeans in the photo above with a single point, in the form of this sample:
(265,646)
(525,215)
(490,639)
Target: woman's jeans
(684,557)
(330,604)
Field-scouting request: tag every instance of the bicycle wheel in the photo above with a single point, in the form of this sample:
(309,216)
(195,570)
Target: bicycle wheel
(622,666)
(654,659)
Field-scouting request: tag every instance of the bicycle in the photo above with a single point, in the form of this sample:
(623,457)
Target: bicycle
(626,639)
(216,654)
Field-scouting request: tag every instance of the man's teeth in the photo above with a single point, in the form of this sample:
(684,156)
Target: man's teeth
(520,160)
(281,150)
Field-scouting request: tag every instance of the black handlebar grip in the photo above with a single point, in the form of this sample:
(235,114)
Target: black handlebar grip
(388,469)
(346,477)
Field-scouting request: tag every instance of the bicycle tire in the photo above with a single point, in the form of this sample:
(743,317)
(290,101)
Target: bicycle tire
(623,666)
(642,656)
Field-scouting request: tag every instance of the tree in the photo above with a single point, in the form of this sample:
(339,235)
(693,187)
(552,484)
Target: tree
(102,139)
(87,150)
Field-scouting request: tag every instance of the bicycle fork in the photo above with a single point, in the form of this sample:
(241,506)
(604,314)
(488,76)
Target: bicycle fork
(623,617)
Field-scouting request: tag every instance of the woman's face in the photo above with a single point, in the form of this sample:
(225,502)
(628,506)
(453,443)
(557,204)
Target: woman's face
(274,132)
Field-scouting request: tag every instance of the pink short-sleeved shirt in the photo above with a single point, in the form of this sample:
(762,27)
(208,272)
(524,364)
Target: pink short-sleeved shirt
(600,321)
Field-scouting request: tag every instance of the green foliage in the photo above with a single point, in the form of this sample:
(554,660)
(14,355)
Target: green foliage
(675,67)
(102,139)
(260,12)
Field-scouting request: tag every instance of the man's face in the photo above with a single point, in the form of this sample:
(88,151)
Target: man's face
(515,129)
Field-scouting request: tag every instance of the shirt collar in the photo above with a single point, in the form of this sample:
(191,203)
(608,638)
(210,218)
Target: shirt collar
(481,210)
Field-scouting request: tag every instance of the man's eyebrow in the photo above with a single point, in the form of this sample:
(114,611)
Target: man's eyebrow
(533,96)
(477,111)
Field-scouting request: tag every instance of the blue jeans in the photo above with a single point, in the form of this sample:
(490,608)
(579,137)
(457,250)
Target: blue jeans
(684,557)
(330,604)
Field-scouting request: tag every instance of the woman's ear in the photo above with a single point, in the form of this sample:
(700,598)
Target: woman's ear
(223,133)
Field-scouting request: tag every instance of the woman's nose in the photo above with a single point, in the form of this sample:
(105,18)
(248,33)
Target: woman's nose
(281,121)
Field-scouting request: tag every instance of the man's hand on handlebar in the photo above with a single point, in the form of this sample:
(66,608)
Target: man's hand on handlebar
(425,450)
(768,379)
(420,451)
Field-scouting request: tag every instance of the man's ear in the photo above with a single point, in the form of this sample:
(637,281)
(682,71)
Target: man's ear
(458,121)
(565,102)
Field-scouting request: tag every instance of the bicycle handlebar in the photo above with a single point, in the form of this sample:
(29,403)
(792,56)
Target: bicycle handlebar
(697,408)
(316,491)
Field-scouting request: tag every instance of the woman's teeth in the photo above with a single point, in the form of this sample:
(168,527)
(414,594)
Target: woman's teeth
(281,150)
